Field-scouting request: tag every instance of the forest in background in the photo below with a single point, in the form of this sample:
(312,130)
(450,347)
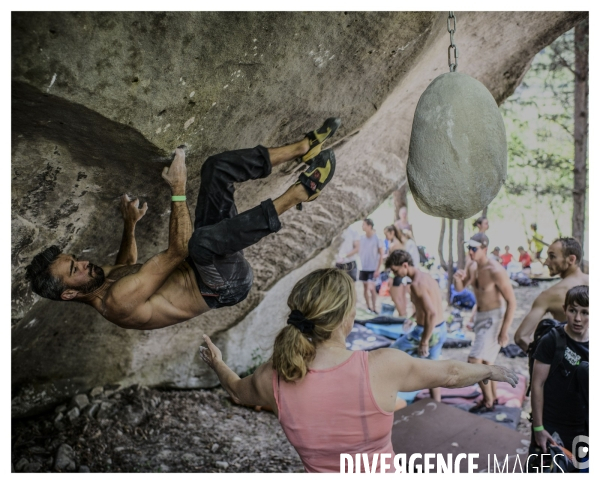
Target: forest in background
(541,134)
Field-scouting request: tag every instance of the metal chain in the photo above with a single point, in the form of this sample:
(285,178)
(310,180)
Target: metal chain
(452,49)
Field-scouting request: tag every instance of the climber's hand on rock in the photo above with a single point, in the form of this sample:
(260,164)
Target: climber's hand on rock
(176,174)
(211,355)
(130,209)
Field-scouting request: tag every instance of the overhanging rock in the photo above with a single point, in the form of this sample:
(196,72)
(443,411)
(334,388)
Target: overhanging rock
(99,100)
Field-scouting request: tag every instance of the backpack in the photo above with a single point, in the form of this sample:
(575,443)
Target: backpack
(544,327)
(463,299)
(556,460)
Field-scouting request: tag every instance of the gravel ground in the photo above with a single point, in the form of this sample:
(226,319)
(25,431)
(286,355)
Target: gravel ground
(138,429)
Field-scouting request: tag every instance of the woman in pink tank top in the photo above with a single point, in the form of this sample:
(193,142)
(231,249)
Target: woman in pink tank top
(329,400)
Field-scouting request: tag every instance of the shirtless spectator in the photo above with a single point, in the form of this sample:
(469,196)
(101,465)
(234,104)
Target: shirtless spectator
(482,225)
(172,287)
(564,258)
(490,284)
(398,289)
(402,223)
(428,335)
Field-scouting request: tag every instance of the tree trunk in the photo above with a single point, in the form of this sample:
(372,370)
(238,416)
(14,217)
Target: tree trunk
(450,259)
(400,199)
(555,219)
(441,245)
(484,213)
(460,244)
(581,129)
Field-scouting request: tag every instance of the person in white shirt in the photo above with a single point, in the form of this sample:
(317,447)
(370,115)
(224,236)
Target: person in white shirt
(346,256)
(410,246)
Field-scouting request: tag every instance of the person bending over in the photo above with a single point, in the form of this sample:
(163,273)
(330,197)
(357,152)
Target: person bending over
(427,337)
(491,285)
(204,266)
(564,258)
(328,399)
(558,397)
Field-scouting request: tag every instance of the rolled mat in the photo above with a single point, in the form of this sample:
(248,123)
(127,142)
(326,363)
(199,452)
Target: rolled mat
(392,331)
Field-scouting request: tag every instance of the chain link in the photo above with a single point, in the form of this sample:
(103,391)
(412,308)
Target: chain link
(452,49)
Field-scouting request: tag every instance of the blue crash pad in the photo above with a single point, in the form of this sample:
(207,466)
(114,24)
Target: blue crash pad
(363,339)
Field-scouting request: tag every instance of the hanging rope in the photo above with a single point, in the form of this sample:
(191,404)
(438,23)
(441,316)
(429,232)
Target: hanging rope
(452,49)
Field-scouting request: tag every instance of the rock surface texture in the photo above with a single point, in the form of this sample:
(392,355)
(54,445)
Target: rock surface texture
(457,155)
(100,100)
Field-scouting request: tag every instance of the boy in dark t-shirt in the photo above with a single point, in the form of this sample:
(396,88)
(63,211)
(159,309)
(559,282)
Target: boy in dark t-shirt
(557,401)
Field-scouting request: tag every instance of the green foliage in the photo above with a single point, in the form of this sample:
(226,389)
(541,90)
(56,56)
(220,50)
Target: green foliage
(539,122)
(257,360)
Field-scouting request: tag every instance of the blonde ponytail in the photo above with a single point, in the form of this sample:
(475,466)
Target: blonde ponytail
(326,297)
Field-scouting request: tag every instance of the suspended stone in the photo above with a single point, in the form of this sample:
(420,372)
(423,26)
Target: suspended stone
(457,155)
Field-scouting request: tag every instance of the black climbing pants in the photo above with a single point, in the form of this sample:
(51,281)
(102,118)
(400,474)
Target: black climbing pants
(224,276)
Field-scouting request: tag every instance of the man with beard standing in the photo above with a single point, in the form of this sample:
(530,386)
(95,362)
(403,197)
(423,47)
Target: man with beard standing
(564,258)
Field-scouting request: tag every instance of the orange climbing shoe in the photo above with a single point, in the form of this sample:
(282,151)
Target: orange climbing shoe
(317,137)
(318,174)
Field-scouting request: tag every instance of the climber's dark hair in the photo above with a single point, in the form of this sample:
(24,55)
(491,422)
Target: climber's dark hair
(38,272)
(397,258)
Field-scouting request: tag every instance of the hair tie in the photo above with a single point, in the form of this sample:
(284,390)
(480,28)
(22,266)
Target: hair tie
(297,319)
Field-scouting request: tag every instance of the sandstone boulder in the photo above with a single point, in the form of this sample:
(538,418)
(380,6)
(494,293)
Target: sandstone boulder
(101,99)
(457,156)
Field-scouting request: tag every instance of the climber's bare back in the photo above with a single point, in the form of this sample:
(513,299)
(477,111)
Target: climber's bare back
(177,300)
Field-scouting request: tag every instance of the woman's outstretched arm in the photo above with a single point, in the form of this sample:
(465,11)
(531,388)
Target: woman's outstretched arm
(410,374)
(255,389)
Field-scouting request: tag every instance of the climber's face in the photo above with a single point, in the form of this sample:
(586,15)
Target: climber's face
(79,276)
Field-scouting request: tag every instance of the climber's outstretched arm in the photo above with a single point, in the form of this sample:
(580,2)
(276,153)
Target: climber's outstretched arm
(131,215)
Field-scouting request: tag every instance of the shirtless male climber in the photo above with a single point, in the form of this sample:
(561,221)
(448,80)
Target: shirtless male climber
(490,284)
(564,258)
(429,334)
(203,267)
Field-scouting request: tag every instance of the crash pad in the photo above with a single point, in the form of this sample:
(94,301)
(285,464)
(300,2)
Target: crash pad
(431,427)
(507,416)
(457,339)
(392,331)
(363,339)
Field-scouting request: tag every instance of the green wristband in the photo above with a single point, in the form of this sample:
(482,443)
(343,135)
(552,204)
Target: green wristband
(178,198)
(538,429)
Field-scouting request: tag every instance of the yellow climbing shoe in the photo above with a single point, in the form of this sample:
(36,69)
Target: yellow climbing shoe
(317,137)
(319,173)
